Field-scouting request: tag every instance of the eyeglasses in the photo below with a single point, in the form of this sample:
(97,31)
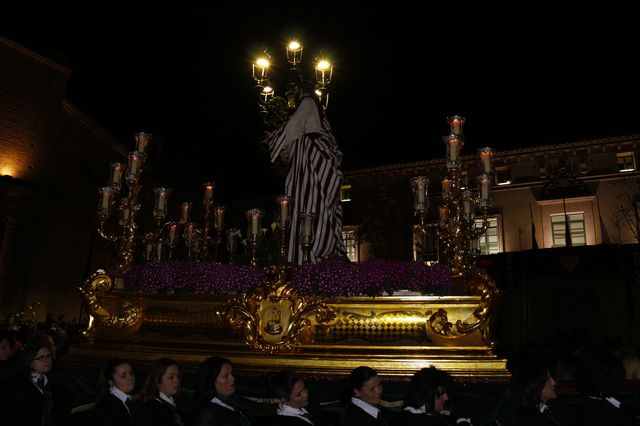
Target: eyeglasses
(43,358)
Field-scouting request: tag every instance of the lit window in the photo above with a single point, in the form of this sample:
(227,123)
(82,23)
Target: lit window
(345,193)
(350,238)
(575,221)
(626,162)
(489,242)
(503,175)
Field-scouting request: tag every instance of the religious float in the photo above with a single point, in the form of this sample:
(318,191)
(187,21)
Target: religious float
(319,319)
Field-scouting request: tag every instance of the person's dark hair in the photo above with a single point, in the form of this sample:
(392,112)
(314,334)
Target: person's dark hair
(106,373)
(426,386)
(527,381)
(28,354)
(356,380)
(281,383)
(206,378)
(154,378)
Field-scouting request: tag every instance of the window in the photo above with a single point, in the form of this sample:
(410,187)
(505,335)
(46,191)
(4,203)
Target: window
(576,229)
(350,238)
(503,175)
(626,162)
(489,243)
(345,193)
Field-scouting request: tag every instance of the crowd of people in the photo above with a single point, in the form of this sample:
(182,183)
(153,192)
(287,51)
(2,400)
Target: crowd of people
(34,395)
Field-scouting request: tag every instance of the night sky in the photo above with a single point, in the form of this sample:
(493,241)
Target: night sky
(535,77)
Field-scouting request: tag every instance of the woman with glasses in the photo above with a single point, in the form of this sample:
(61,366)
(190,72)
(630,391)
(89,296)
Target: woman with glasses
(114,406)
(36,398)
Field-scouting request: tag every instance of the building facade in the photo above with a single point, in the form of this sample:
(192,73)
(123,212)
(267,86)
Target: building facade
(579,193)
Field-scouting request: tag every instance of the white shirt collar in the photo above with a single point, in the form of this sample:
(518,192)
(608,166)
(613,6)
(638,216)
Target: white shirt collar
(118,394)
(287,410)
(542,407)
(611,400)
(34,379)
(419,410)
(216,400)
(166,398)
(368,408)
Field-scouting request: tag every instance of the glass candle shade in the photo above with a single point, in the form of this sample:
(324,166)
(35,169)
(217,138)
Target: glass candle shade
(185,213)
(115,180)
(162,196)
(142,141)
(284,203)
(486,157)
(208,192)
(420,188)
(133,164)
(219,217)
(104,201)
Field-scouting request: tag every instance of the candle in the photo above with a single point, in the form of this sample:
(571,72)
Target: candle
(126,214)
(148,249)
(159,250)
(173,229)
(467,207)
(307,223)
(189,231)
(161,198)
(185,209)
(254,223)
(454,144)
(484,187)
(219,213)
(142,140)
(456,122)
(208,192)
(105,200)
(231,239)
(443,213)
(446,187)
(486,155)
(132,166)
(284,210)
(116,175)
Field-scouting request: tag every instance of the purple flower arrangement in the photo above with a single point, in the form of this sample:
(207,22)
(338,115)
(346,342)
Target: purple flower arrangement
(372,278)
(188,277)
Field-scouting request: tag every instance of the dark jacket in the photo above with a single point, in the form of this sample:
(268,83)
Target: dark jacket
(156,413)
(352,415)
(110,411)
(216,415)
(27,406)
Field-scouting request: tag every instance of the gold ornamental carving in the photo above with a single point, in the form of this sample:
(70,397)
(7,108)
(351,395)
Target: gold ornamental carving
(99,281)
(273,316)
(482,317)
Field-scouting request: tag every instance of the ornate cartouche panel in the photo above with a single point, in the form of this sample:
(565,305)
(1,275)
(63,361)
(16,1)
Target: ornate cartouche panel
(274,316)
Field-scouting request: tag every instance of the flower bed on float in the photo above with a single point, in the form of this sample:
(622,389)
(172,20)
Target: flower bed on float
(331,279)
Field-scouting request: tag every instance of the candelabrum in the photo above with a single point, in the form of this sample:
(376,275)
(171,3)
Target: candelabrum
(284,203)
(275,108)
(254,231)
(462,213)
(161,242)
